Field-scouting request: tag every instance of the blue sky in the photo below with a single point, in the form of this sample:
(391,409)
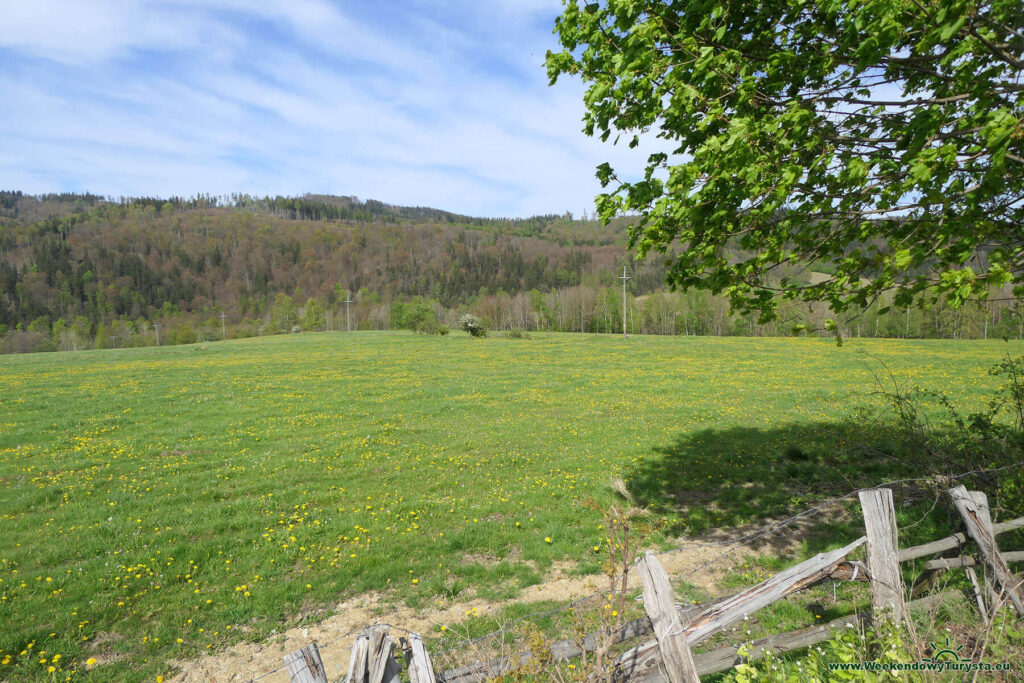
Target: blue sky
(410,102)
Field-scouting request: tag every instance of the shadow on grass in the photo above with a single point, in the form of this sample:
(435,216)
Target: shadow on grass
(720,478)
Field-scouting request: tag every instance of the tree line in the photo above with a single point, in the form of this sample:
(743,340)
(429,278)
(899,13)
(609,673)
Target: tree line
(77,271)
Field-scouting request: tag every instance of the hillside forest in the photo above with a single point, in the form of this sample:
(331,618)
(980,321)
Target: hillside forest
(80,271)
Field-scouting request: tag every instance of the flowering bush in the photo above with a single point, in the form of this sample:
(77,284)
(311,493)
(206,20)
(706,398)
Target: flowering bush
(470,323)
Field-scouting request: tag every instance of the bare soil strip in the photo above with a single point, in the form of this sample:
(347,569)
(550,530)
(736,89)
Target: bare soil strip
(696,562)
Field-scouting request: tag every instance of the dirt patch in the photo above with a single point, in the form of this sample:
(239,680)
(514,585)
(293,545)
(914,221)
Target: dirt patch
(700,563)
(102,639)
(478,558)
(175,453)
(99,644)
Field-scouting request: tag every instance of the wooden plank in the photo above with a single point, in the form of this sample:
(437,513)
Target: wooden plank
(304,666)
(659,603)
(926,580)
(954,541)
(727,612)
(886,577)
(421,669)
(968,561)
(733,609)
(382,665)
(725,658)
(973,508)
(976,586)
(376,634)
(357,662)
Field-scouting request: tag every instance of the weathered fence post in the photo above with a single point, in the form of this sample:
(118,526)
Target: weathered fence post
(381,663)
(973,507)
(421,669)
(304,666)
(357,662)
(883,563)
(661,608)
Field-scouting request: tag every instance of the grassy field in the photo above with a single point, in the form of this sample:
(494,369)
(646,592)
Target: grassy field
(160,503)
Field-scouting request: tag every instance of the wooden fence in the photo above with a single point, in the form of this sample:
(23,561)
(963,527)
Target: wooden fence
(677,629)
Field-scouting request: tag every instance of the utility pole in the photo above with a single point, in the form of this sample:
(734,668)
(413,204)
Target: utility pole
(348,319)
(156,328)
(223,330)
(624,278)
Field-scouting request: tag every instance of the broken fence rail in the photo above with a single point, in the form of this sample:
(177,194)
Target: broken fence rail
(373,659)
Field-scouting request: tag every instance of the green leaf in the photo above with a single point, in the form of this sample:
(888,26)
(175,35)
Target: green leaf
(947,31)
(901,259)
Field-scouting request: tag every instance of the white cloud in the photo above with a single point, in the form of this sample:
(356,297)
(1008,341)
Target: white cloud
(443,109)
(77,32)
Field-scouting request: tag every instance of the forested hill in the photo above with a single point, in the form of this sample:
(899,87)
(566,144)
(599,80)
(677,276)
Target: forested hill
(65,256)
(80,271)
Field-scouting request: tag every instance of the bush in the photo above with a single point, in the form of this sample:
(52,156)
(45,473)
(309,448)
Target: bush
(470,323)
(26,342)
(516,333)
(432,326)
(410,315)
(887,644)
(45,344)
(208,335)
(933,436)
(182,334)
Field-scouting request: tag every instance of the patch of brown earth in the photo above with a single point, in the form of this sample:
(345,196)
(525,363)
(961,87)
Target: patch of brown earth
(699,563)
(98,646)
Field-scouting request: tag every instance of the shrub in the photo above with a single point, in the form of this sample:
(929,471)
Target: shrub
(25,342)
(182,334)
(470,323)
(432,326)
(887,644)
(516,333)
(410,315)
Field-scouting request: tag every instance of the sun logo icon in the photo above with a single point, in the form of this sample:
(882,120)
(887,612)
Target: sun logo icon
(946,654)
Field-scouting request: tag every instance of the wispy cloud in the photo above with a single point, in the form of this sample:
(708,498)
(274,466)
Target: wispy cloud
(413,102)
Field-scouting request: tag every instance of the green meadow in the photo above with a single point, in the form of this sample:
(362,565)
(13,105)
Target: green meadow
(156,504)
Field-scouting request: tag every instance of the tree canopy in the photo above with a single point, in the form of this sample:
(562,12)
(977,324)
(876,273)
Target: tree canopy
(884,138)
